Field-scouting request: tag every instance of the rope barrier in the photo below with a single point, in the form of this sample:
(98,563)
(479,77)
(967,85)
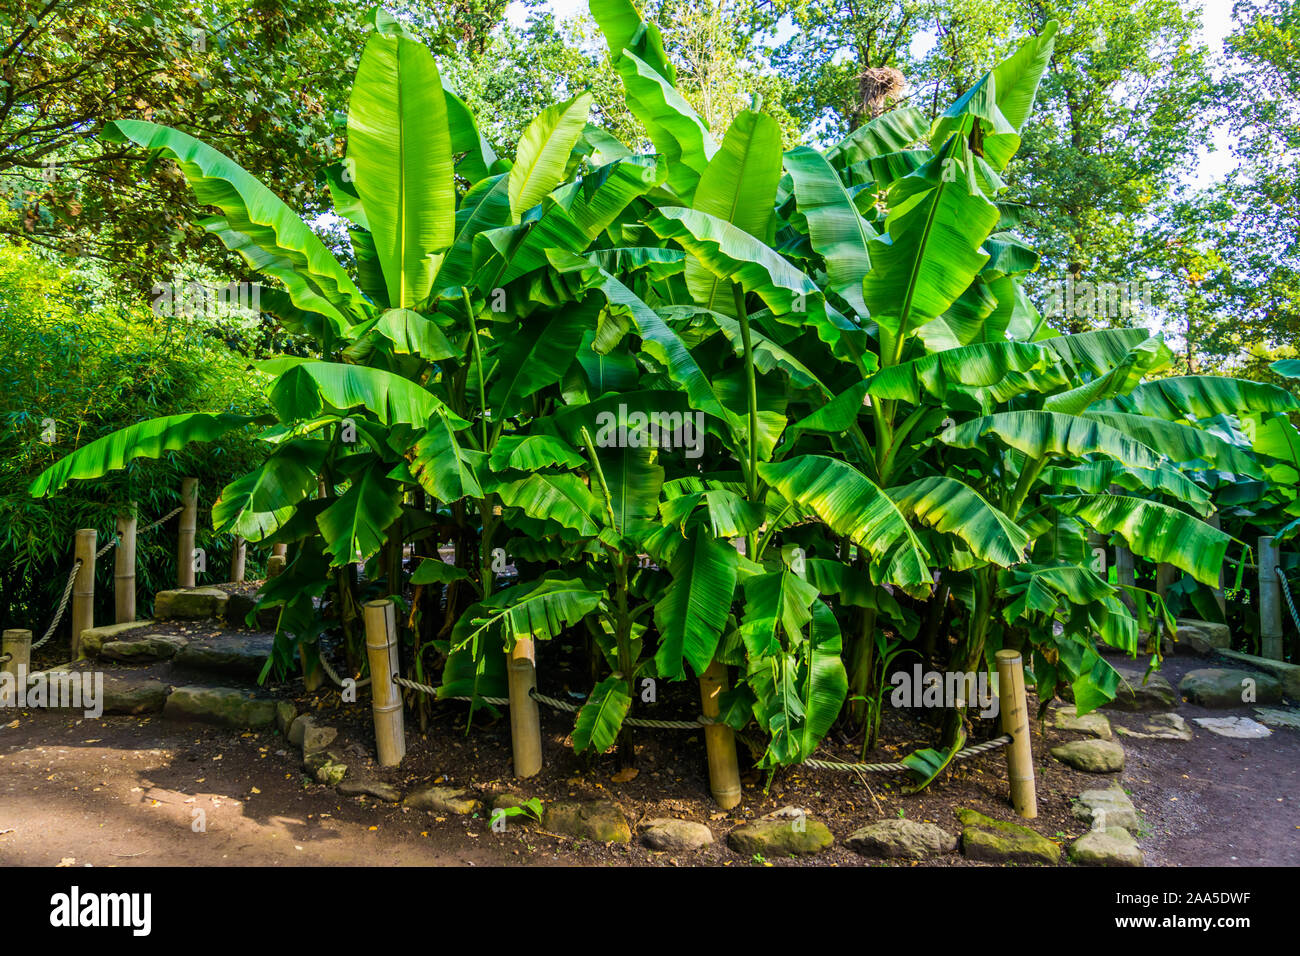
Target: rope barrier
(560,705)
(63,605)
(433,691)
(968,752)
(72,575)
(1290,602)
(325,664)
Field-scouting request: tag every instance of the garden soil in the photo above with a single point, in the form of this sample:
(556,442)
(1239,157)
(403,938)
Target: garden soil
(122,791)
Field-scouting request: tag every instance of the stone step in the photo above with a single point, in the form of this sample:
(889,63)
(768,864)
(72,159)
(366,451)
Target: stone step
(137,691)
(1224,687)
(202,651)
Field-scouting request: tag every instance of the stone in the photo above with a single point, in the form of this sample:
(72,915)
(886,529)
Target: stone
(1202,637)
(902,839)
(599,820)
(368,787)
(668,834)
(1111,846)
(443,800)
(1279,716)
(93,638)
(997,841)
(1133,694)
(285,714)
(127,693)
(1094,756)
(1107,808)
(1067,718)
(144,650)
(326,766)
(304,732)
(789,831)
(189,603)
(1239,728)
(1155,727)
(1288,674)
(225,706)
(233,654)
(1222,687)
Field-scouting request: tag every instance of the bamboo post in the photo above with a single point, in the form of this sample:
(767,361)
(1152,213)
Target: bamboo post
(16,651)
(124,568)
(276,562)
(238,554)
(381,651)
(83,589)
(1166,576)
(1270,600)
(185,540)
(719,739)
(525,727)
(314,676)
(1015,721)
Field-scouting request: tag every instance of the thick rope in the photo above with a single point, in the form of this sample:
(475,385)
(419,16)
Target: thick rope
(560,705)
(324,662)
(72,575)
(1286,590)
(433,691)
(63,604)
(988,745)
(703,721)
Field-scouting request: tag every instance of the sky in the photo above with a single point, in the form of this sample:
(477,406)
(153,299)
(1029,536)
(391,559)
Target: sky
(1216,24)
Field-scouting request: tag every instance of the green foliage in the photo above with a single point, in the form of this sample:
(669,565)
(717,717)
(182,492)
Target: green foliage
(78,370)
(717,404)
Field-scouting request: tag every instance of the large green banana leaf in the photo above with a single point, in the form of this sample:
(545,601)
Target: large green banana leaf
(777,608)
(256,504)
(951,507)
(353,526)
(543,152)
(982,365)
(1155,531)
(251,211)
(892,132)
(1002,99)
(539,610)
(1040,434)
(799,693)
(691,614)
(307,389)
(561,498)
(1095,477)
(440,466)
(836,229)
(399,145)
(674,127)
(931,251)
(1180,443)
(1098,351)
(149,439)
(851,504)
(1204,396)
(601,717)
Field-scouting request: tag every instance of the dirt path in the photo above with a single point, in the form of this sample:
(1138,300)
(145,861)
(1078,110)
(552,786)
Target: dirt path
(1212,800)
(123,791)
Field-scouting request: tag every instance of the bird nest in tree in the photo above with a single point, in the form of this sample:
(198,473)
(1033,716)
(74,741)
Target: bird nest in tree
(879,84)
